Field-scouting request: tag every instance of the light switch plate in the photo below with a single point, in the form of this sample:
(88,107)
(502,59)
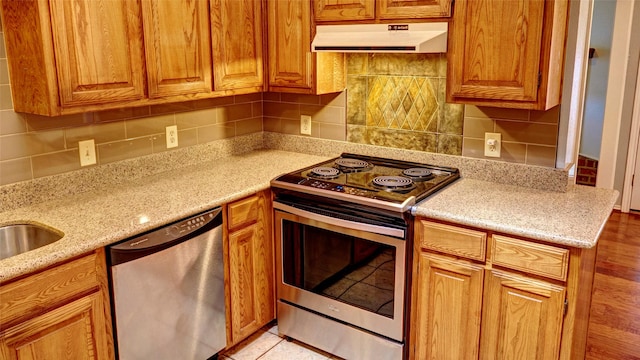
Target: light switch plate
(87,150)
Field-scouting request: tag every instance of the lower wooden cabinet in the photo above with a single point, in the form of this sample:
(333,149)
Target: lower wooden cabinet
(449,298)
(519,300)
(59,313)
(250,273)
(522,318)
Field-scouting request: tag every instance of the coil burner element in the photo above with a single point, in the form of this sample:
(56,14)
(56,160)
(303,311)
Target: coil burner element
(352,165)
(394,183)
(418,173)
(325,172)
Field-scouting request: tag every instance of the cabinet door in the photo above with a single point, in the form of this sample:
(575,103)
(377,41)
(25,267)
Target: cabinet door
(176,35)
(343,10)
(406,9)
(98,50)
(74,331)
(495,49)
(236,34)
(516,62)
(290,57)
(522,318)
(250,281)
(448,307)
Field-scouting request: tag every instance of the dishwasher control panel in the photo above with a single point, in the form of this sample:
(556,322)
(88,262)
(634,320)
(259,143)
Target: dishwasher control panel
(169,233)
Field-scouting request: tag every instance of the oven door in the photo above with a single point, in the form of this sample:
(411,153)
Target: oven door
(347,270)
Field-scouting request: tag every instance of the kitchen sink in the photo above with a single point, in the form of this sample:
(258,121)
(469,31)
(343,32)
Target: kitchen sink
(18,238)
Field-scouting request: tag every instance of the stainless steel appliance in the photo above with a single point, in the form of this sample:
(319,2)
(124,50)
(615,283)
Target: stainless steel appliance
(343,250)
(167,289)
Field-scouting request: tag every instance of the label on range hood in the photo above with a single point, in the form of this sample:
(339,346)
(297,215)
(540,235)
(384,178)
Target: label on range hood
(396,27)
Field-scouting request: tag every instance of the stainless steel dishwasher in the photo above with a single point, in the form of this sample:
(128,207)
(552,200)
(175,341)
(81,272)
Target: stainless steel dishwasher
(167,289)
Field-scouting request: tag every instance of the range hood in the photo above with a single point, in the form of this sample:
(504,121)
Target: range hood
(390,38)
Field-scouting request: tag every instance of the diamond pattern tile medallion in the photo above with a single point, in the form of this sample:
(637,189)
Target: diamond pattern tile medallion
(402,102)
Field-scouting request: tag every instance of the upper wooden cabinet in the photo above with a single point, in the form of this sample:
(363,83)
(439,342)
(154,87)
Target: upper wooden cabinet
(73,56)
(177,47)
(99,60)
(73,53)
(507,53)
(350,10)
(292,65)
(236,29)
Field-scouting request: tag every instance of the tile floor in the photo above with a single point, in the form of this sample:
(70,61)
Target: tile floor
(266,344)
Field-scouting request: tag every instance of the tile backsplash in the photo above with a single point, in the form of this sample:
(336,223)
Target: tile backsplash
(528,137)
(398,100)
(393,100)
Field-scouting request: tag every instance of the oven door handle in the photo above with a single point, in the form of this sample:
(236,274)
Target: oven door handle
(383,230)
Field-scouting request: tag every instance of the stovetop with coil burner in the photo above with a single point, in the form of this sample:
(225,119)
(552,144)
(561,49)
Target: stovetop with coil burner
(383,183)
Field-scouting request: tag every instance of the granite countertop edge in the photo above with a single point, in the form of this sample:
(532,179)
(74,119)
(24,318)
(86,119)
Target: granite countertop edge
(575,218)
(98,218)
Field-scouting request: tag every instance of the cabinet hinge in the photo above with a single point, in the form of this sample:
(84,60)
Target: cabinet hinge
(566,307)
(633,177)
(539,79)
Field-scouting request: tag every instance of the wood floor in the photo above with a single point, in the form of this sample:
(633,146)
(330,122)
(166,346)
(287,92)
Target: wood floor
(614,324)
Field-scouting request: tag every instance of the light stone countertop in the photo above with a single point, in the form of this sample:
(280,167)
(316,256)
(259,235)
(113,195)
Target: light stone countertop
(574,218)
(97,218)
(100,217)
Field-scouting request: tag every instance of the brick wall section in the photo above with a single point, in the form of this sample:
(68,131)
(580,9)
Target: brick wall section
(587,171)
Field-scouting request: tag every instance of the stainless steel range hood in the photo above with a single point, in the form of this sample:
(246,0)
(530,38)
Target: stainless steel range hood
(388,38)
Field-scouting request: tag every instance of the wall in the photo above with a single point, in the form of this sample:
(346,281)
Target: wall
(597,77)
(282,114)
(528,137)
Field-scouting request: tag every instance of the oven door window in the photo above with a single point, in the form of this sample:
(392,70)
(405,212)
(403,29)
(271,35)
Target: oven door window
(338,266)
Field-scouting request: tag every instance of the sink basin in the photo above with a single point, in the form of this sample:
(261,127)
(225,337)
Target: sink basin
(18,238)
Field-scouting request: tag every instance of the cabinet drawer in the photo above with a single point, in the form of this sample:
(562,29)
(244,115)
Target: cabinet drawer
(538,259)
(452,240)
(47,289)
(243,212)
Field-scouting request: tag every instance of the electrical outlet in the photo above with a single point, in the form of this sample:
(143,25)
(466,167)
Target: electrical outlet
(492,144)
(305,124)
(172,136)
(87,150)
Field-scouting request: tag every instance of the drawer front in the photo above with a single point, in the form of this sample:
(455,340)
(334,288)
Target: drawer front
(243,212)
(47,289)
(538,259)
(453,240)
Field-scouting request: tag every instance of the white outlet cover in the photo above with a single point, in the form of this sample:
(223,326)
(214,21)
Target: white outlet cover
(172,136)
(495,149)
(305,124)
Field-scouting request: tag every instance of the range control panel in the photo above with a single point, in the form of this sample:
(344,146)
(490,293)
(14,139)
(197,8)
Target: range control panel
(319,184)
